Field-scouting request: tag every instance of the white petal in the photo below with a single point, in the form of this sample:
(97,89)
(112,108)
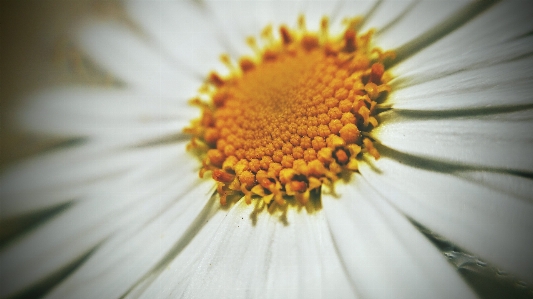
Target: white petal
(238,20)
(424,16)
(183,30)
(351,9)
(490,38)
(492,225)
(490,143)
(504,84)
(314,11)
(105,113)
(514,185)
(384,254)
(386,14)
(235,256)
(139,63)
(67,174)
(132,252)
(100,213)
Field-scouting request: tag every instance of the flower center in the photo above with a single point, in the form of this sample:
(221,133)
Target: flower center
(294,117)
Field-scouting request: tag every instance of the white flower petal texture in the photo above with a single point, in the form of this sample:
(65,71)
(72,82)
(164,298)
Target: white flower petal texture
(117,209)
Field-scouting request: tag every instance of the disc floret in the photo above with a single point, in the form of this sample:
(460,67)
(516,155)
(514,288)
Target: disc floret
(294,117)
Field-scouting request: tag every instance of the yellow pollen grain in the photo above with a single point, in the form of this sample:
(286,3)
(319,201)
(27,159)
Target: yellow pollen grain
(292,118)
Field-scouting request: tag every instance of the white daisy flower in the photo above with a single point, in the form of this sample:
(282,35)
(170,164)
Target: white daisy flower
(119,209)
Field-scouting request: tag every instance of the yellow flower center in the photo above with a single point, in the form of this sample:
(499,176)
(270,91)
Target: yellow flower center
(294,117)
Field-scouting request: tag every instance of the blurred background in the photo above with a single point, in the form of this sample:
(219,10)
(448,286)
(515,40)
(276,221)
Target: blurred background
(31,31)
(36,52)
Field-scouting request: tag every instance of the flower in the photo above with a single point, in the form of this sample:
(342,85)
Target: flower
(122,212)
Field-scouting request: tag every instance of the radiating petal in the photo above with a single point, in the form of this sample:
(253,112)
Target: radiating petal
(514,185)
(504,84)
(140,64)
(500,143)
(384,254)
(238,20)
(424,16)
(488,39)
(68,174)
(241,254)
(351,9)
(131,252)
(387,14)
(183,30)
(104,113)
(490,224)
(99,214)
(233,22)
(314,11)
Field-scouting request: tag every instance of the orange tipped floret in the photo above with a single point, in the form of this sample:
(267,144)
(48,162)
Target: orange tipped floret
(349,40)
(215,79)
(377,71)
(222,176)
(246,64)
(285,35)
(293,118)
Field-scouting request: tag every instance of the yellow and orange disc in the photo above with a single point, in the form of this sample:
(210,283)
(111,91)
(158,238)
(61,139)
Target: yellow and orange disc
(294,117)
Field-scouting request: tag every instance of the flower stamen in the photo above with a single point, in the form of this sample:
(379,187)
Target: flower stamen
(294,117)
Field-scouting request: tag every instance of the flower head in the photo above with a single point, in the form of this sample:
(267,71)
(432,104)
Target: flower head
(123,212)
(293,118)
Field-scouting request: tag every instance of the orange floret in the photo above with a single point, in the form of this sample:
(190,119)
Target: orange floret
(285,122)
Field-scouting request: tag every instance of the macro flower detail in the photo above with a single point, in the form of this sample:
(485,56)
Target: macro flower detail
(293,118)
(431,189)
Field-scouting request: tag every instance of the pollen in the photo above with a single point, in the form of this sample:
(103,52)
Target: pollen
(292,118)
